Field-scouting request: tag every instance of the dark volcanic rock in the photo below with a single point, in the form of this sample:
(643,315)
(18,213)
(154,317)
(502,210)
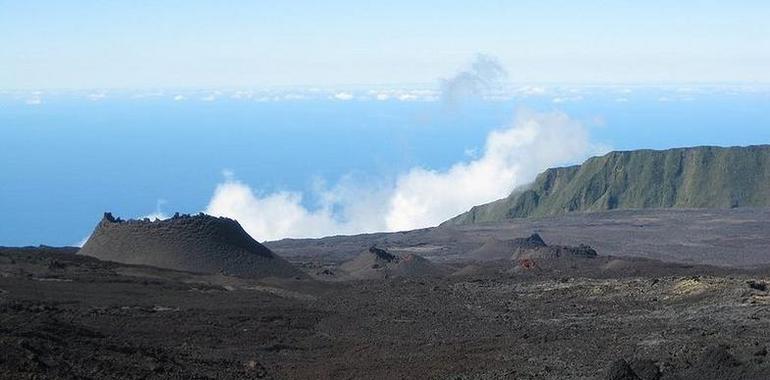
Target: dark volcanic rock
(621,370)
(637,369)
(758,285)
(532,241)
(645,369)
(580,251)
(382,254)
(716,362)
(200,243)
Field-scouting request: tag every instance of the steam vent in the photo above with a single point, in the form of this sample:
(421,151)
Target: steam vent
(200,243)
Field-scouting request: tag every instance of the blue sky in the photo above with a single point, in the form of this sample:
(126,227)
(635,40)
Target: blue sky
(147,44)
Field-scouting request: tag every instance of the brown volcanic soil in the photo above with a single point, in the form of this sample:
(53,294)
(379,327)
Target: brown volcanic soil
(200,243)
(64,315)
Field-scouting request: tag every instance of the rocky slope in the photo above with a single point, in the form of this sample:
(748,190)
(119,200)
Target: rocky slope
(700,177)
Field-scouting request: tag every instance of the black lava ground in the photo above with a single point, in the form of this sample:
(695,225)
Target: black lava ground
(69,316)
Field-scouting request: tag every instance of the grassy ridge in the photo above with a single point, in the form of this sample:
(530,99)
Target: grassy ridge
(700,177)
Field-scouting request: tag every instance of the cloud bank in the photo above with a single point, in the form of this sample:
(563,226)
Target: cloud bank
(418,198)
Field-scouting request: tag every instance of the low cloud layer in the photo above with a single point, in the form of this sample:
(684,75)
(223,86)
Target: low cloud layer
(418,198)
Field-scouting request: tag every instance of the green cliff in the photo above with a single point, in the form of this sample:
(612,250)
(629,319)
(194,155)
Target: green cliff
(700,177)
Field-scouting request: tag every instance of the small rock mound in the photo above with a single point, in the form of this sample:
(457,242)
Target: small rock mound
(496,249)
(532,247)
(636,369)
(621,370)
(200,243)
(377,263)
(534,253)
(533,241)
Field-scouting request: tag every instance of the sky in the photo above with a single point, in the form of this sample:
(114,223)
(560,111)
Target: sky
(150,44)
(308,119)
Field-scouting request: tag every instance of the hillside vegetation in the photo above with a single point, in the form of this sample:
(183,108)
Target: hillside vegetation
(700,177)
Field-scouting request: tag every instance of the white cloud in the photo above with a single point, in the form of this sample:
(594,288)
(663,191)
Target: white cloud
(209,98)
(179,98)
(407,97)
(155,94)
(420,197)
(343,96)
(526,91)
(565,99)
(97,96)
(281,214)
(242,95)
(34,101)
(511,157)
(294,97)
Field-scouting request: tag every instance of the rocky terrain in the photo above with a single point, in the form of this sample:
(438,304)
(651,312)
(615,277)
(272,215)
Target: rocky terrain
(724,237)
(64,315)
(699,177)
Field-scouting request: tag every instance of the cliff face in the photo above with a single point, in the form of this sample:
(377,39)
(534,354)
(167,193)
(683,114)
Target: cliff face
(700,177)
